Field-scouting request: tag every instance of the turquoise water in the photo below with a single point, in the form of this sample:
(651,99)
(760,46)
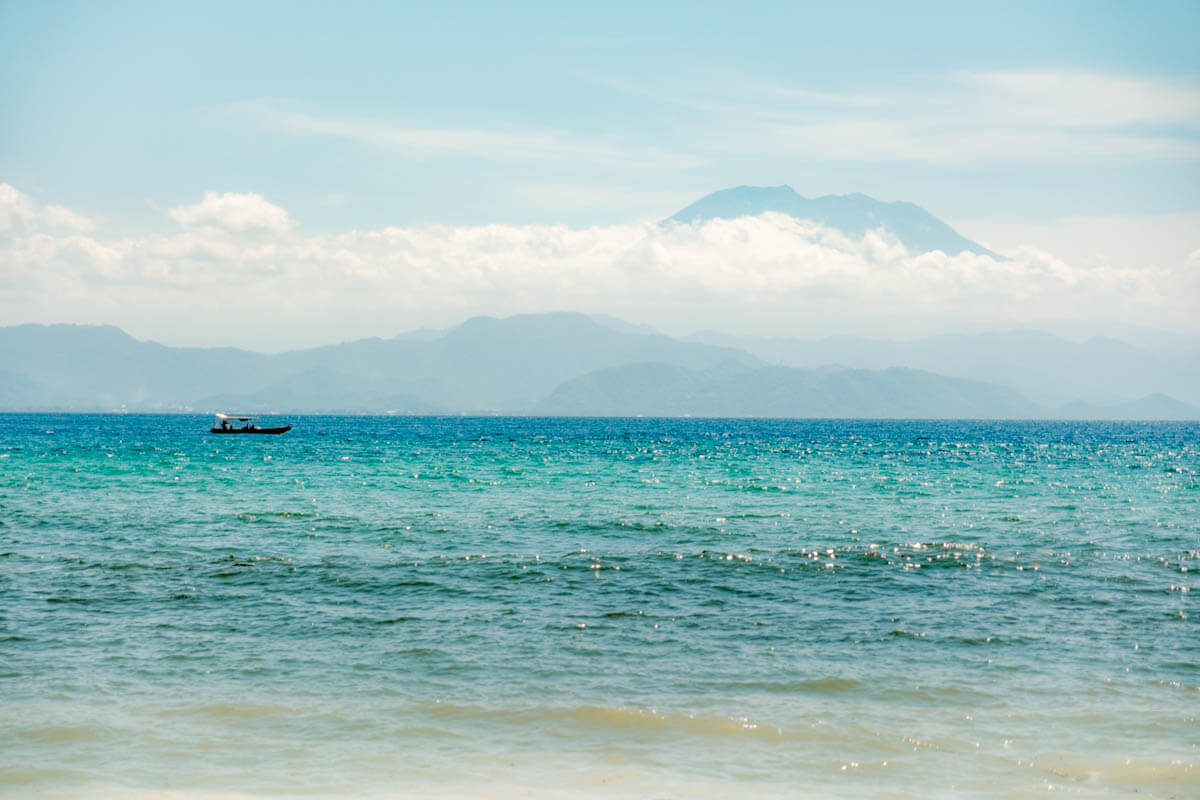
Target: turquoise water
(410,607)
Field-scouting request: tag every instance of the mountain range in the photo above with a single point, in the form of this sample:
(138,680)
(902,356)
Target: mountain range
(553,364)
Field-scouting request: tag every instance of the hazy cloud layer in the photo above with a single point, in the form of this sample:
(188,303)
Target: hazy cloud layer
(1022,116)
(418,141)
(1018,116)
(1130,241)
(239,272)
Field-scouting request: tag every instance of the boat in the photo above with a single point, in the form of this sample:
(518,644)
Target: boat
(226,425)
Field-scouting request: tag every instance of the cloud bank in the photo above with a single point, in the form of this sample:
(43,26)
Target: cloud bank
(239,271)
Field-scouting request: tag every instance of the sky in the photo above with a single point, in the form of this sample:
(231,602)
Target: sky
(278,175)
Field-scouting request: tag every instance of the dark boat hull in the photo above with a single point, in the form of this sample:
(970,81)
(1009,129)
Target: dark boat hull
(284,429)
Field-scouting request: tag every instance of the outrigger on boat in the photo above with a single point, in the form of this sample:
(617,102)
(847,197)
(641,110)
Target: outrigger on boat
(226,425)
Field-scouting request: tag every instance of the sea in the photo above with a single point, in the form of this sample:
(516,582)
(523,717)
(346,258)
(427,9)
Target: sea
(395,607)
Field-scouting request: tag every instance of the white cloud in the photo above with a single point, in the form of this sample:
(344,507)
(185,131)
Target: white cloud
(210,283)
(20,213)
(17,209)
(231,211)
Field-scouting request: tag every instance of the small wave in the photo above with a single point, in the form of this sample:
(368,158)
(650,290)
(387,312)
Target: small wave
(629,720)
(64,734)
(240,711)
(1176,777)
(827,685)
(261,517)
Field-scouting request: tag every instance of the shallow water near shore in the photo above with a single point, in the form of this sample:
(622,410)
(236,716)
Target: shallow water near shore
(409,607)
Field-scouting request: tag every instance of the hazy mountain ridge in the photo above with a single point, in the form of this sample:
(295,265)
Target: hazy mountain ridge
(558,363)
(484,365)
(852,214)
(90,367)
(1048,369)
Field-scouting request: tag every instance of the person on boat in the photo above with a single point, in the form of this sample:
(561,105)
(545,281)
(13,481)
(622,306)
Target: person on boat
(225,425)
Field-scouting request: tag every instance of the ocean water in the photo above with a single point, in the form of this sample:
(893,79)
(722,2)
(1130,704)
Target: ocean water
(496,607)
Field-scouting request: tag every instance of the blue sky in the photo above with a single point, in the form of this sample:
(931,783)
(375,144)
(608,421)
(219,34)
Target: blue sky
(570,112)
(141,140)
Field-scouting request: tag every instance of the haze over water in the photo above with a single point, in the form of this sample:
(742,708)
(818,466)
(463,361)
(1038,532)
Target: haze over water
(564,607)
